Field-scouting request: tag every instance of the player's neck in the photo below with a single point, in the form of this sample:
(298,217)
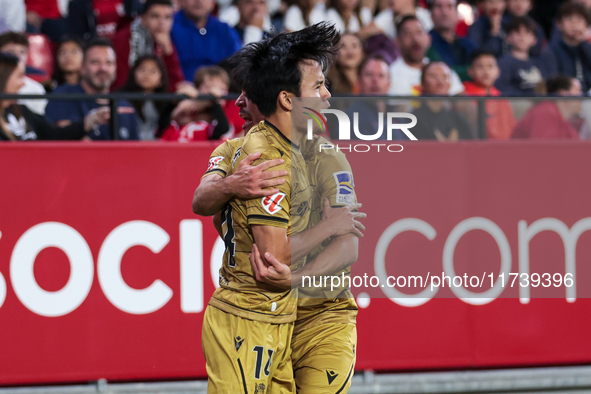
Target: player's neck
(283,123)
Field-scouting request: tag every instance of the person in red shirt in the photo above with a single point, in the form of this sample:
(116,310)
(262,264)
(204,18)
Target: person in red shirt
(484,71)
(100,18)
(149,34)
(550,119)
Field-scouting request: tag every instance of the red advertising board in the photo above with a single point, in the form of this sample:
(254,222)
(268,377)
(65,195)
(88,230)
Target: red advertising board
(105,271)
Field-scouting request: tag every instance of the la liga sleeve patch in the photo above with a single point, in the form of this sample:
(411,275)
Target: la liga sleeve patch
(345,187)
(213,162)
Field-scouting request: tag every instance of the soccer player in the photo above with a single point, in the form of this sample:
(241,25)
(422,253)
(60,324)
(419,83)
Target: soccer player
(247,327)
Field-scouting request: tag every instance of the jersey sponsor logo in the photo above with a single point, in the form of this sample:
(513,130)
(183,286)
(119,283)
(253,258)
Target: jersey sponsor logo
(271,203)
(331,375)
(345,187)
(213,162)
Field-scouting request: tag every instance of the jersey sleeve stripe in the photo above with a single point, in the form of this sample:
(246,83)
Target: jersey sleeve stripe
(214,170)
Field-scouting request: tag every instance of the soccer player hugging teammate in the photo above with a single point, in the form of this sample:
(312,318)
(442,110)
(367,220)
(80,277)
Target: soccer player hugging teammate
(248,324)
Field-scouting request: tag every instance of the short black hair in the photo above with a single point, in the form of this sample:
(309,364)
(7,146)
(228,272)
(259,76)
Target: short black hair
(478,53)
(402,21)
(266,68)
(98,42)
(11,37)
(375,56)
(517,22)
(559,83)
(150,3)
(570,9)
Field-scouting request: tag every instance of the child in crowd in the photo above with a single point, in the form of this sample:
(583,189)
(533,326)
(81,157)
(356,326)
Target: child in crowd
(68,62)
(148,75)
(484,72)
(488,32)
(522,8)
(521,74)
(572,52)
(200,120)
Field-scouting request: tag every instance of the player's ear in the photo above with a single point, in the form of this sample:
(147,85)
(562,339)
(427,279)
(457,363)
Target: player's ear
(284,100)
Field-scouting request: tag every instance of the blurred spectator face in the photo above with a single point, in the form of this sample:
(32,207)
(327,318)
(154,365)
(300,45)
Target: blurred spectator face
(17,50)
(351,52)
(400,6)
(69,57)
(148,76)
(575,89)
(436,80)
(413,42)
(493,8)
(484,71)
(571,107)
(250,8)
(522,40)
(573,28)
(158,19)
(197,9)
(346,5)
(375,78)
(444,14)
(586,3)
(214,86)
(99,68)
(14,83)
(248,111)
(519,7)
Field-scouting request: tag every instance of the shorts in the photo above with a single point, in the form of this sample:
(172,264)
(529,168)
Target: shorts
(323,357)
(246,356)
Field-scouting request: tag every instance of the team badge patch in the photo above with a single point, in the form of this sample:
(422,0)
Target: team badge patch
(345,187)
(213,162)
(271,203)
(236,156)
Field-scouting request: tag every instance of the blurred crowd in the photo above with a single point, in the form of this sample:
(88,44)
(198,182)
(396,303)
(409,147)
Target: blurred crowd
(432,48)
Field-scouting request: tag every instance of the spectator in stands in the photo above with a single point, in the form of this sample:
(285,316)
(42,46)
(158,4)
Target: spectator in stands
(100,18)
(522,8)
(304,13)
(148,34)
(343,75)
(68,62)
(550,119)
(199,120)
(96,77)
(572,52)
(148,75)
(13,16)
(48,17)
(17,45)
(386,19)
(413,42)
(483,72)
(489,31)
(18,123)
(254,23)
(434,120)
(194,27)
(349,16)
(521,74)
(446,46)
(374,80)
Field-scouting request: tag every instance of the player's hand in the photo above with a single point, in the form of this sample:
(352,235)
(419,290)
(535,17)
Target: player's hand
(270,270)
(343,220)
(250,181)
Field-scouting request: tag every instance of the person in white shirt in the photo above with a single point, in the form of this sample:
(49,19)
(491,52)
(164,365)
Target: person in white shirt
(12,16)
(303,14)
(386,19)
(413,42)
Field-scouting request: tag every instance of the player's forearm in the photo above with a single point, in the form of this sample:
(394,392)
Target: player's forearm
(341,253)
(212,195)
(306,241)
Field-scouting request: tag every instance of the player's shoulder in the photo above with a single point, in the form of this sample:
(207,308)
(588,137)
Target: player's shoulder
(260,139)
(227,147)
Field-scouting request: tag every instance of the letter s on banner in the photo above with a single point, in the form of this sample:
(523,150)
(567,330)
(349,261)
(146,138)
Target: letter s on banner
(118,241)
(22,261)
